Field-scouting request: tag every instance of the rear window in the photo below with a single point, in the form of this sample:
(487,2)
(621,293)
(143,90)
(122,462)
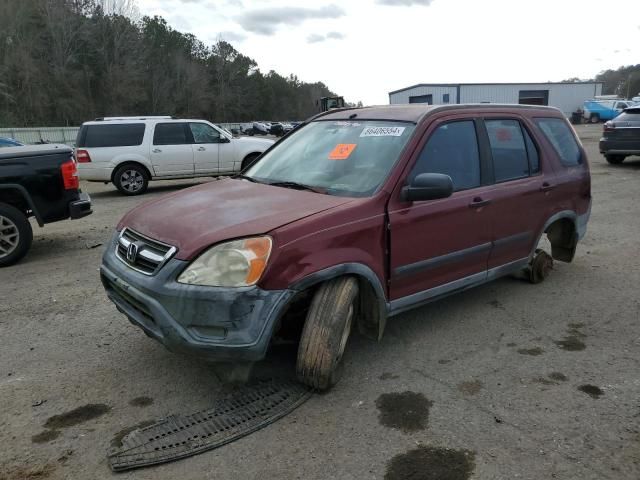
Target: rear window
(120,135)
(630,115)
(561,137)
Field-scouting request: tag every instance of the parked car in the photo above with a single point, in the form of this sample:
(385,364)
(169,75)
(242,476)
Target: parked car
(39,181)
(276,129)
(356,216)
(261,128)
(131,151)
(621,136)
(9,142)
(601,110)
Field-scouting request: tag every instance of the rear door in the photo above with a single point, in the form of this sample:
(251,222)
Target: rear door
(442,245)
(171,151)
(523,189)
(206,146)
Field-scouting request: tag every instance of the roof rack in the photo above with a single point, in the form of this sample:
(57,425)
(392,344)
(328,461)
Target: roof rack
(151,117)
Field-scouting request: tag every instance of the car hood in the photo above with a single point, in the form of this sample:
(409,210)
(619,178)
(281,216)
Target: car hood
(255,141)
(198,217)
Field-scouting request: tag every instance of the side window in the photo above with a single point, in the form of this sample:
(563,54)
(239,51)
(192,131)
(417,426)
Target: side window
(111,135)
(203,133)
(532,152)
(452,149)
(564,143)
(170,134)
(508,149)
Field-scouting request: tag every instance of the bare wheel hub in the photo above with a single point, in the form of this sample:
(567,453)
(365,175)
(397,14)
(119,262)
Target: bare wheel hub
(9,236)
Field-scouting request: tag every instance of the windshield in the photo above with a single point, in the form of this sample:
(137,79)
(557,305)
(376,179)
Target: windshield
(345,158)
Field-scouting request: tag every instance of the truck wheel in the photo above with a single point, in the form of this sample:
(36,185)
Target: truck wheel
(614,159)
(16,235)
(594,118)
(131,179)
(325,333)
(249,160)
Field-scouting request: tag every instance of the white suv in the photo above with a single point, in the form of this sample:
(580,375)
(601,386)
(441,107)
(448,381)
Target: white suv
(130,151)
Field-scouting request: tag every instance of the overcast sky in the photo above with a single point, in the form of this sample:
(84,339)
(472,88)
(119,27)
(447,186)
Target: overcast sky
(363,49)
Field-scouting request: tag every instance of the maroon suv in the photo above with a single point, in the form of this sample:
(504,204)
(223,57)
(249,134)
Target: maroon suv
(356,216)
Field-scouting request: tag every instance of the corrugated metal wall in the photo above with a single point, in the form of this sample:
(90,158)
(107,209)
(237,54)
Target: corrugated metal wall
(436,91)
(567,97)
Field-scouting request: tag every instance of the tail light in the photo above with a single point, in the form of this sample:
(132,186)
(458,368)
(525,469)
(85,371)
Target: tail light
(70,175)
(609,126)
(82,156)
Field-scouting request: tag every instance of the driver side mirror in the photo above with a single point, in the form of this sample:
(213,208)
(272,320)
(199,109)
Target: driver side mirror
(428,186)
(224,139)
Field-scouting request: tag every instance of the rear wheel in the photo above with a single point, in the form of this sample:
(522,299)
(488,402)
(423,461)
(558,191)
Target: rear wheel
(16,235)
(614,159)
(595,118)
(326,332)
(131,179)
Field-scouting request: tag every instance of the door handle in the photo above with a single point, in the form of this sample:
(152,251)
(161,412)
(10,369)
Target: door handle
(156,150)
(201,149)
(546,187)
(479,202)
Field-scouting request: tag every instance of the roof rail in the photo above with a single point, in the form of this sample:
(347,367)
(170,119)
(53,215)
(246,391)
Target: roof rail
(150,117)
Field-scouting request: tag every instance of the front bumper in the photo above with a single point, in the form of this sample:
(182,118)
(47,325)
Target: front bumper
(81,207)
(214,323)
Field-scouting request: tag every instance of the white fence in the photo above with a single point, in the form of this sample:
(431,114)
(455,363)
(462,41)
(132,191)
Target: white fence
(66,135)
(34,135)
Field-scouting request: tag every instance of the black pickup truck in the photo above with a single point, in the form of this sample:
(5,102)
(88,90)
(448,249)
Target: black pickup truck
(39,181)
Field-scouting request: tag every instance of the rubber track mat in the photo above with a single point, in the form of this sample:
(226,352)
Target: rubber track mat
(246,410)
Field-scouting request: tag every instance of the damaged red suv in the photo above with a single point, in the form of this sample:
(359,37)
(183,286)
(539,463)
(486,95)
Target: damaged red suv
(356,216)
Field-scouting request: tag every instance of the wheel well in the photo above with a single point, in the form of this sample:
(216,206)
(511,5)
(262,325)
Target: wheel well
(247,157)
(369,312)
(563,237)
(138,164)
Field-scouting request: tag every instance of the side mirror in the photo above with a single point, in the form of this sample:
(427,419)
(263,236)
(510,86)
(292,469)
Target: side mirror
(224,139)
(428,186)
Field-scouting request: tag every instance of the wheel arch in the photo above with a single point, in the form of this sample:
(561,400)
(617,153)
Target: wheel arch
(562,231)
(10,191)
(372,304)
(130,162)
(246,157)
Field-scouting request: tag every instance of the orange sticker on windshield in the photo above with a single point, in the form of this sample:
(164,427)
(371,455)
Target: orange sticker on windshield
(342,151)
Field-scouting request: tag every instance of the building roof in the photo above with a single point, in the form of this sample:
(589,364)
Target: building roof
(455,85)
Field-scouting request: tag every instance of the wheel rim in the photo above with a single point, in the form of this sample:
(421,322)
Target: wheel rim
(9,236)
(345,333)
(131,180)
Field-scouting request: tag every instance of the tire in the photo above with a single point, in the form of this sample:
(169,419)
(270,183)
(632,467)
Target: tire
(249,160)
(326,332)
(594,118)
(131,179)
(16,235)
(614,159)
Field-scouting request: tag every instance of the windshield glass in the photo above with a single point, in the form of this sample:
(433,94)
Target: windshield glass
(345,158)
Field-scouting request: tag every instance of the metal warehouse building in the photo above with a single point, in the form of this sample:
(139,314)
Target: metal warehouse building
(568,97)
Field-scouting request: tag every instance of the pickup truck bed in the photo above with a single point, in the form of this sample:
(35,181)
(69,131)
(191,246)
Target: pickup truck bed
(38,181)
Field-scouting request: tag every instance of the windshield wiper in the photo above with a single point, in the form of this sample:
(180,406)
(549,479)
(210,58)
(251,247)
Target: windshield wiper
(298,186)
(245,177)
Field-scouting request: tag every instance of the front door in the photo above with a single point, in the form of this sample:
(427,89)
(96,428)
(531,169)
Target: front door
(206,145)
(442,245)
(171,152)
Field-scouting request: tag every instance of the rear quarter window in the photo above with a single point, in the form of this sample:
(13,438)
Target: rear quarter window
(561,137)
(120,135)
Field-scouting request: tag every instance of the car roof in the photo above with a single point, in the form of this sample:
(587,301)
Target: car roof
(120,120)
(416,112)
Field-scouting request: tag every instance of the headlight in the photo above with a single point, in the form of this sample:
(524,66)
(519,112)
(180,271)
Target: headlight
(239,263)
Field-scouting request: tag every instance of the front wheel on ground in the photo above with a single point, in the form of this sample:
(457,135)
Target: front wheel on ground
(16,235)
(131,179)
(614,159)
(325,333)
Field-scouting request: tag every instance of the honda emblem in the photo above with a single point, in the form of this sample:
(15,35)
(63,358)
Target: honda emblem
(132,252)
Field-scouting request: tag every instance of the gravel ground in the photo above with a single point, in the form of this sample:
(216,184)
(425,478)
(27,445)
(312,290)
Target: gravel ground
(508,380)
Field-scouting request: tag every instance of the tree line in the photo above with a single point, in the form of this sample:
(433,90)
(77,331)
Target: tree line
(63,62)
(624,81)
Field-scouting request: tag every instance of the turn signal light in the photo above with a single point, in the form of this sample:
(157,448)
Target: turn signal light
(82,156)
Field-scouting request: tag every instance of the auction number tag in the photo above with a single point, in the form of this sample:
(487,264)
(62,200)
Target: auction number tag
(342,151)
(382,132)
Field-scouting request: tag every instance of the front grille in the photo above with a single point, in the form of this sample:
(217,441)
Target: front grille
(141,253)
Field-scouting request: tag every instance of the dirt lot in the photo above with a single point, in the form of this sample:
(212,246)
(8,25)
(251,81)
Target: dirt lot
(509,380)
